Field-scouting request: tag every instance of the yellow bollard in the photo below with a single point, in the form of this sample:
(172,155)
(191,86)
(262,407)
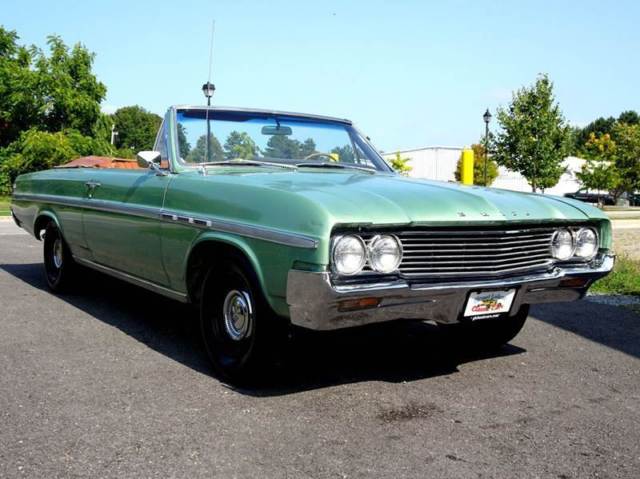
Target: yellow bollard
(467,166)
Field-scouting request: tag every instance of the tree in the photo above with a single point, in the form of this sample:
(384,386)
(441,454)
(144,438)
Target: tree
(137,128)
(344,153)
(534,138)
(70,91)
(629,117)
(401,164)
(281,146)
(479,158)
(627,139)
(49,106)
(86,145)
(240,145)
(183,144)
(600,171)
(599,126)
(102,128)
(35,150)
(21,100)
(48,92)
(308,147)
(198,153)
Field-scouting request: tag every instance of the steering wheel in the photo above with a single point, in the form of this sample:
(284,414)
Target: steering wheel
(318,154)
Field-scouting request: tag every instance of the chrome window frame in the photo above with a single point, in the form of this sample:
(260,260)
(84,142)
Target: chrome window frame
(181,165)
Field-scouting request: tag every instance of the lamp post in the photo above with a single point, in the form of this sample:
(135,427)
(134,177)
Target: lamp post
(114,133)
(208,89)
(487,118)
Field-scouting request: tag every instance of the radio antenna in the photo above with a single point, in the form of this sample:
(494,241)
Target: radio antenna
(213,29)
(208,89)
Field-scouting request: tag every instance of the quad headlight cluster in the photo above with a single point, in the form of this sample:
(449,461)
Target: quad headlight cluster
(350,254)
(569,244)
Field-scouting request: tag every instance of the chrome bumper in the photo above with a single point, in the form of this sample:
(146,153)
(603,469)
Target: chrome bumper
(315,303)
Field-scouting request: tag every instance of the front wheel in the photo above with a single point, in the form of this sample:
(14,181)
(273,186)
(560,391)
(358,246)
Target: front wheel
(59,265)
(239,330)
(490,334)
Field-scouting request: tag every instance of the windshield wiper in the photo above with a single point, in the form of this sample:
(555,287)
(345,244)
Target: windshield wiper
(242,162)
(329,164)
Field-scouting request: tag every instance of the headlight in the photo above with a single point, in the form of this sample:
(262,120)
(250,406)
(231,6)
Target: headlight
(562,245)
(385,253)
(349,255)
(586,243)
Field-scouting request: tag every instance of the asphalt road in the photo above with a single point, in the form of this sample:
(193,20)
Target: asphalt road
(112,382)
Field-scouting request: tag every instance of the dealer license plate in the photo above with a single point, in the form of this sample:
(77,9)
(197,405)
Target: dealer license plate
(489,304)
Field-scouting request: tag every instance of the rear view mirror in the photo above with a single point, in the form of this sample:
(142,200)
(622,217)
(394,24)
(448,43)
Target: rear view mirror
(276,130)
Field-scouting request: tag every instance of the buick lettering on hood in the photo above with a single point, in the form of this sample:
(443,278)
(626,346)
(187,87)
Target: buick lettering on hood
(268,220)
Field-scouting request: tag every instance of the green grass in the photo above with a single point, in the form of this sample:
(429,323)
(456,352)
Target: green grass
(4,206)
(624,279)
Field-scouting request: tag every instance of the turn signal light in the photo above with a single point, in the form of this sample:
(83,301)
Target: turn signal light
(573,282)
(362,303)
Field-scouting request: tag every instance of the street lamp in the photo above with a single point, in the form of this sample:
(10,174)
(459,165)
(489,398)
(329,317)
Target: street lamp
(208,89)
(114,133)
(487,118)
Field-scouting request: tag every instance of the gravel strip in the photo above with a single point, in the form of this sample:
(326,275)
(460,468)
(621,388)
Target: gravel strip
(613,299)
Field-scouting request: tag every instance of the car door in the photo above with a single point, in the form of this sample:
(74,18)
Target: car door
(122,221)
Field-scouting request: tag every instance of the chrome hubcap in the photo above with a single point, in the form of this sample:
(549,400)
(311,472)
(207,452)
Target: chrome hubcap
(238,315)
(57,253)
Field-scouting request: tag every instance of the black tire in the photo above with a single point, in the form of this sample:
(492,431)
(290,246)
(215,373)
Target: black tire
(490,334)
(60,269)
(239,350)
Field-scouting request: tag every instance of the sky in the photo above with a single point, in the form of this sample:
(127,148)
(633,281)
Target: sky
(408,73)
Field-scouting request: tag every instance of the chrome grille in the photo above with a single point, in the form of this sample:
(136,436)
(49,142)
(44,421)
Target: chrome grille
(474,252)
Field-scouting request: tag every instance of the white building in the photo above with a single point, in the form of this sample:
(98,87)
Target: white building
(439,163)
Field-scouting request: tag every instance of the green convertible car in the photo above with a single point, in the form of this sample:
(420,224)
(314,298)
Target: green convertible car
(267,220)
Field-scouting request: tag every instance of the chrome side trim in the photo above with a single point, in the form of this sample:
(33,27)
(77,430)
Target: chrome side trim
(114,207)
(258,232)
(215,224)
(156,288)
(91,204)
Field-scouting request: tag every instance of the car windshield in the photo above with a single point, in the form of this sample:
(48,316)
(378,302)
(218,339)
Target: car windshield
(255,138)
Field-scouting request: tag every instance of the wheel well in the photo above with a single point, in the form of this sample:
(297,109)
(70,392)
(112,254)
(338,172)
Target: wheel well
(204,255)
(41,223)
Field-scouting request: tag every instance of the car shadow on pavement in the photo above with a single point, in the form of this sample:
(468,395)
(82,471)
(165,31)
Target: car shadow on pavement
(612,326)
(397,352)
(392,352)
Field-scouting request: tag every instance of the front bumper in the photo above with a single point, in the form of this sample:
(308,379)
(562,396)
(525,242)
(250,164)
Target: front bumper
(315,303)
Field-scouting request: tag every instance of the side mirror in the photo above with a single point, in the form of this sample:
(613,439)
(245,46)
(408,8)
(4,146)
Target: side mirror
(150,159)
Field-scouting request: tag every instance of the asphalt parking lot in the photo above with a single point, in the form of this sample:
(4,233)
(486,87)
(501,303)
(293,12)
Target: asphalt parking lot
(111,382)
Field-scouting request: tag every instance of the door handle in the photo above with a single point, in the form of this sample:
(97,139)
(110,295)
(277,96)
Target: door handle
(91,186)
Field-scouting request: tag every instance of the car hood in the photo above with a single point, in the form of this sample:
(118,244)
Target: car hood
(392,199)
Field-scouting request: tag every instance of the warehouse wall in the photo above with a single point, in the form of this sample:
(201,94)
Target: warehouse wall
(439,163)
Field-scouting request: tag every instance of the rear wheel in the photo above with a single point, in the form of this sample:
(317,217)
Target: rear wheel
(239,330)
(59,266)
